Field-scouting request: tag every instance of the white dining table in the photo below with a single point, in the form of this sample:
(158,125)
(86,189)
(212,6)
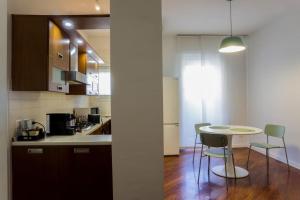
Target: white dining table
(230,131)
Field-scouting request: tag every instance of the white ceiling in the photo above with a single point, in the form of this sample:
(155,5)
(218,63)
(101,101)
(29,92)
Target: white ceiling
(179,16)
(212,16)
(95,32)
(99,39)
(58,7)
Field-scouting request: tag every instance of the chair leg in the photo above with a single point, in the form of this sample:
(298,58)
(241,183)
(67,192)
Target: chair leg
(233,165)
(267,157)
(226,177)
(286,155)
(195,148)
(248,156)
(287,160)
(208,166)
(200,165)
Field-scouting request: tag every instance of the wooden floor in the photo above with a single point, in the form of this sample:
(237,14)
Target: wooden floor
(180,179)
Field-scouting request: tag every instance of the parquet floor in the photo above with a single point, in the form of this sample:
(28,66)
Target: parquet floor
(180,179)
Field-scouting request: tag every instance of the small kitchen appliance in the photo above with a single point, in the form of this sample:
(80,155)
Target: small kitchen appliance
(60,124)
(28,130)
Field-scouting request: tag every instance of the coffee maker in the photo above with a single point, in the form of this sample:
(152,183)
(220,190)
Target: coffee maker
(60,124)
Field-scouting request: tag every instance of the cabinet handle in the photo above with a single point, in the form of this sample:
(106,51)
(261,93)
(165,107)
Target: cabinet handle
(35,151)
(60,55)
(81,150)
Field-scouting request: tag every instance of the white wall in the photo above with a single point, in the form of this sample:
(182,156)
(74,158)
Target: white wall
(4,103)
(274,83)
(137,112)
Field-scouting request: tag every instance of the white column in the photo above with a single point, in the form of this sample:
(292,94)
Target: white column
(4,102)
(137,120)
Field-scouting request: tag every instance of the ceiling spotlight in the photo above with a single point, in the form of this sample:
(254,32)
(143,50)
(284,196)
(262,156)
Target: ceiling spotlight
(68,24)
(97,6)
(79,41)
(89,51)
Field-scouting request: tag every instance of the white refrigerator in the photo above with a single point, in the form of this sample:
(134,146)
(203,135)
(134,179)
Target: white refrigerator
(171,116)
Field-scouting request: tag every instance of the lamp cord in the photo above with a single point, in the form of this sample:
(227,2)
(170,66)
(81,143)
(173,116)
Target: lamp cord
(230,18)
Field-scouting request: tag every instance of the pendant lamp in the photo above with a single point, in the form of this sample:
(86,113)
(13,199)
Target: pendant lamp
(232,43)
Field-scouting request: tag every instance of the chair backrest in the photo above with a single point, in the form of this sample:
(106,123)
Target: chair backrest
(214,140)
(274,130)
(198,126)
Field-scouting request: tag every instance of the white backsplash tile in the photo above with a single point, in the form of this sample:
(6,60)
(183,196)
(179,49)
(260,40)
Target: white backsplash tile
(35,105)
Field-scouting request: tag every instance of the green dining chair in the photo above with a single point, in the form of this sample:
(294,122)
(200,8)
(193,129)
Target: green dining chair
(219,150)
(276,131)
(197,131)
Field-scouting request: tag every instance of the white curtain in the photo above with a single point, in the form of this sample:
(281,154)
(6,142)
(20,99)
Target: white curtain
(203,77)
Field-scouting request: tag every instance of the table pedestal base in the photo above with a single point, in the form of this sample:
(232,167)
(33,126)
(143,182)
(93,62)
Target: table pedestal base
(240,172)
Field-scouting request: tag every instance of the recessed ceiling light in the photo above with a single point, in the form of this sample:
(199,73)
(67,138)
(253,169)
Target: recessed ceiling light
(100,61)
(97,6)
(68,24)
(92,61)
(79,41)
(89,51)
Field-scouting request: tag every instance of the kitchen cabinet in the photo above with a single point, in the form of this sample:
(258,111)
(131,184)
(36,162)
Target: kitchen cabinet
(62,172)
(59,59)
(87,173)
(35,173)
(40,54)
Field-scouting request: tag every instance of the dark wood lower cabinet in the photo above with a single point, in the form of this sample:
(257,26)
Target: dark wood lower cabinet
(62,173)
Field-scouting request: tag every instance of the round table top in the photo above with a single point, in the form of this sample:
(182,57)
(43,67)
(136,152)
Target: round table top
(231,130)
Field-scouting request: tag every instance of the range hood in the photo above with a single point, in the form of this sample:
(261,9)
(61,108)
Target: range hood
(75,77)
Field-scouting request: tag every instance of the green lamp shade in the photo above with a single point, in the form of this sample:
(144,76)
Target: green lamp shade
(232,44)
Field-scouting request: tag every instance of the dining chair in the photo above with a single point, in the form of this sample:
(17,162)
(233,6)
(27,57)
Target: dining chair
(219,150)
(272,130)
(197,131)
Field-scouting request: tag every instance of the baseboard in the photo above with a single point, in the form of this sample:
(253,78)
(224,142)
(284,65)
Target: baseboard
(277,157)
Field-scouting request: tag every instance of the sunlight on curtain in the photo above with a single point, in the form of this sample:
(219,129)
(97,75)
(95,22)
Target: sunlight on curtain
(201,84)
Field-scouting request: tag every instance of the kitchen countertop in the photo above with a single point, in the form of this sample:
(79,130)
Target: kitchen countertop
(89,131)
(82,138)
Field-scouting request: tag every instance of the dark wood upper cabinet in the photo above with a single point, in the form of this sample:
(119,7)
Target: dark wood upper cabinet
(40,54)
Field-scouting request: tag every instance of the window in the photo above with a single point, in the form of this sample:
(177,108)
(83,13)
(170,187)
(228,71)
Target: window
(104,82)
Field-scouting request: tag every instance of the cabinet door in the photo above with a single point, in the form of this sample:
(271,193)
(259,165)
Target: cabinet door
(34,173)
(59,59)
(87,173)
(59,48)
